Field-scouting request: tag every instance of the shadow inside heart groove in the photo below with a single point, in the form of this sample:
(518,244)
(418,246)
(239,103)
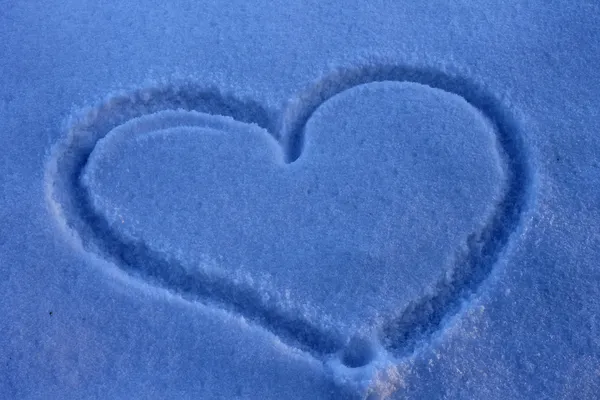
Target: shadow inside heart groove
(402,332)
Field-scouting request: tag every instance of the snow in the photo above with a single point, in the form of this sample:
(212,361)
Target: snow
(308,200)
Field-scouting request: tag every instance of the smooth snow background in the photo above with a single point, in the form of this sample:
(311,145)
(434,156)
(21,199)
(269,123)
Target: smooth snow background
(534,333)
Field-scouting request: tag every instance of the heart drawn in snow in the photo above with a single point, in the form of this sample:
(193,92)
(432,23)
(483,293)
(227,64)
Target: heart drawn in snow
(351,223)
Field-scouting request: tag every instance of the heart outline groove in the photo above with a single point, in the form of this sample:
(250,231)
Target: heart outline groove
(399,337)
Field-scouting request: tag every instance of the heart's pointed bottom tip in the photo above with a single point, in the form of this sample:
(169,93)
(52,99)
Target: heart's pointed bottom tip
(365,368)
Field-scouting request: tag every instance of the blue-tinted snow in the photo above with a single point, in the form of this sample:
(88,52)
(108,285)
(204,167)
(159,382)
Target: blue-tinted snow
(376,190)
(79,322)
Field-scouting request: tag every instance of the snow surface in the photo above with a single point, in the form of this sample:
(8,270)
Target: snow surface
(300,200)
